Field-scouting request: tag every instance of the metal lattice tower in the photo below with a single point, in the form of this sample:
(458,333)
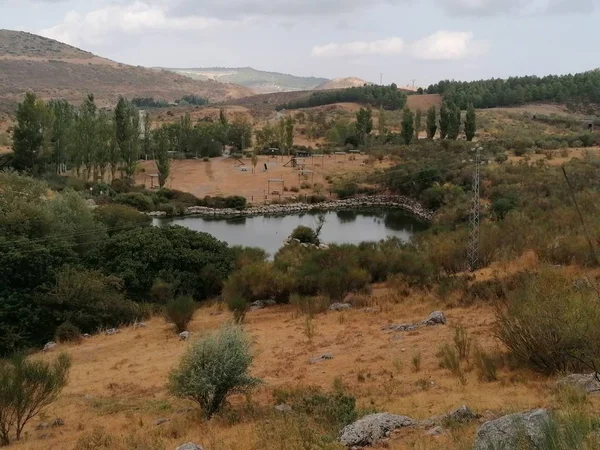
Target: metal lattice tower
(473,250)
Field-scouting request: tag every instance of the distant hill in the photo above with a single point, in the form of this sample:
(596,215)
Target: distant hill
(259,81)
(52,69)
(342,83)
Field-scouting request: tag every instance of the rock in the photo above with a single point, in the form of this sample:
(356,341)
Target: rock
(370,310)
(259,304)
(87,336)
(340,307)
(436,318)
(184,335)
(270,303)
(401,327)
(371,429)
(318,359)
(49,346)
(189,446)
(111,332)
(161,421)
(463,414)
(283,408)
(58,422)
(436,431)
(586,382)
(508,431)
(42,426)
(140,325)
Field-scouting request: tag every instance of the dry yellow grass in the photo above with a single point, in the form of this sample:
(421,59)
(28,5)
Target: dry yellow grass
(118,382)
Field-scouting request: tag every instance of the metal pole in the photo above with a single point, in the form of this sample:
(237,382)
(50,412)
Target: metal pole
(474,231)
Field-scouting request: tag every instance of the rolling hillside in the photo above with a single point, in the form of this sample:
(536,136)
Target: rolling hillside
(259,81)
(56,70)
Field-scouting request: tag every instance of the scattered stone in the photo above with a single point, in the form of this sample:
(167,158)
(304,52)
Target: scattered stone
(586,382)
(397,337)
(463,414)
(370,310)
(581,284)
(161,421)
(87,336)
(140,325)
(49,346)
(340,307)
(436,318)
(184,335)
(283,408)
(402,327)
(42,426)
(318,359)
(436,431)
(189,446)
(371,429)
(269,303)
(508,431)
(111,332)
(58,422)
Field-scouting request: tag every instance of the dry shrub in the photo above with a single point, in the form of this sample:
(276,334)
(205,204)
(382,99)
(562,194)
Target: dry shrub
(293,432)
(487,364)
(99,439)
(310,305)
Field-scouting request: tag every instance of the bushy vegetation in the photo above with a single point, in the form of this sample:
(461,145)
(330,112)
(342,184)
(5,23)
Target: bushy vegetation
(213,368)
(180,311)
(26,388)
(387,96)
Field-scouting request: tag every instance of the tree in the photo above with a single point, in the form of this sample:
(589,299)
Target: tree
(281,135)
(408,125)
(254,162)
(63,115)
(289,133)
(214,368)
(343,132)
(444,121)
(26,388)
(163,163)
(418,119)
(180,312)
(364,124)
(223,118)
(381,123)
(470,123)
(240,132)
(265,137)
(454,120)
(86,134)
(147,142)
(105,130)
(32,134)
(431,122)
(127,127)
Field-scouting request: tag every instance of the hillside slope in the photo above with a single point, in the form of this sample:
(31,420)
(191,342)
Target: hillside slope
(259,81)
(55,70)
(342,83)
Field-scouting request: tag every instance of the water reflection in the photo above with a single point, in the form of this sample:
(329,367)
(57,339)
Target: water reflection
(269,233)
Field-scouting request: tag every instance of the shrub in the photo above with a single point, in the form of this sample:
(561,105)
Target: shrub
(118,218)
(449,359)
(235,202)
(258,281)
(244,256)
(462,342)
(486,364)
(180,312)
(137,200)
(214,368)
(161,292)
(239,307)
(305,185)
(295,189)
(567,339)
(315,198)
(416,362)
(67,332)
(26,388)
(305,235)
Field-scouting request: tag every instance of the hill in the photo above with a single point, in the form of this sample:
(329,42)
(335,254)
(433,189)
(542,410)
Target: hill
(342,83)
(259,81)
(56,70)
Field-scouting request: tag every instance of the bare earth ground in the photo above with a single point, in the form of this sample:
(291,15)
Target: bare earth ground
(223,176)
(118,382)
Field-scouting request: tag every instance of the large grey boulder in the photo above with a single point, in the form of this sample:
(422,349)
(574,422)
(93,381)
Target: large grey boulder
(189,446)
(184,335)
(371,429)
(586,382)
(436,318)
(340,307)
(506,432)
(50,346)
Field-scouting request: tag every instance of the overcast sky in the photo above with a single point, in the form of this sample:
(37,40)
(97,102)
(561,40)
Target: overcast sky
(426,40)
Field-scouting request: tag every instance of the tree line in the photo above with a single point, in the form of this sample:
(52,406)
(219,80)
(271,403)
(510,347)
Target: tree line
(581,87)
(151,102)
(389,97)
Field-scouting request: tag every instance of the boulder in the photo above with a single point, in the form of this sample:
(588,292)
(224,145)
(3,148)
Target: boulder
(111,331)
(371,429)
(507,431)
(340,307)
(586,382)
(318,359)
(58,422)
(189,446)
(436,431)
(140,325)
(436,318)
(161,421)
(464,414)
(49,346)
(283,408)
(184,335)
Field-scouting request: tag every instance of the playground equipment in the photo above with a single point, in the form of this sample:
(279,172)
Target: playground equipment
(275,181)
(342,155)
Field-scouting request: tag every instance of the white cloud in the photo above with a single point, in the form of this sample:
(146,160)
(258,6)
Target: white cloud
(390,46)
(518,7)
(110,22)
(448,45)
(440,46)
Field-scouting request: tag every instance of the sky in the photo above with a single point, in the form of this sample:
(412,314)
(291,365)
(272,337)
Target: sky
(405,40)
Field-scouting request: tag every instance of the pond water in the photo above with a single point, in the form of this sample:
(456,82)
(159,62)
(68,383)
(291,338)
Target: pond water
(269,232)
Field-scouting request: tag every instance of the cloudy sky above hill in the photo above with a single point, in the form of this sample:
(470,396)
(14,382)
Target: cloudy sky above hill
(426,40)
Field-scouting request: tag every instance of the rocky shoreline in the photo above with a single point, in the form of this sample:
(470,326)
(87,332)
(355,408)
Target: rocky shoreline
(364,202)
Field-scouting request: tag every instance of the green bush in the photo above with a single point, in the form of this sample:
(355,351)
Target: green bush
(26,388)
(180,312)
(565,340)
(239,307)
(244,256)
(137,200)
(118,218)
(161,292)
(305,235)
(295,189)
(67,332)
(258,281)
(235,202)
(214,368)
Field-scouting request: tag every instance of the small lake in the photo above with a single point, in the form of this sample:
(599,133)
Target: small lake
(269,232)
